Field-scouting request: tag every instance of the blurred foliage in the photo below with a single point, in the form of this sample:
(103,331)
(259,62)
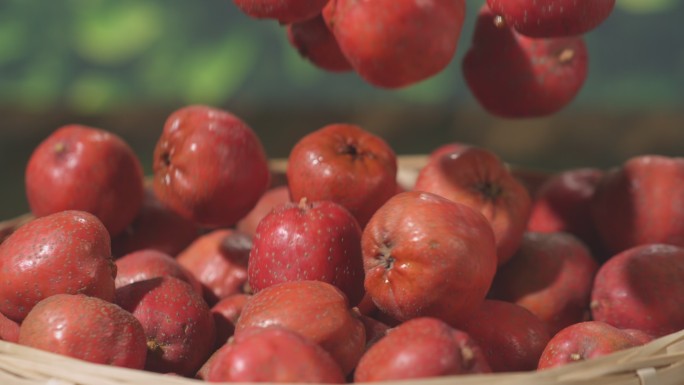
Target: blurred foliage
(91,55)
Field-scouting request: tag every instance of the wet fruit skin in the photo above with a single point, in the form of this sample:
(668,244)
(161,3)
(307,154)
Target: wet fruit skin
(425,255)
(551,275)
(555,18)
(88,169)
(541,76)
(642,288)
(62,253)
(179,327)
(421,348)
(345,164)
(273,355)
(87,328)
(317,310)
(476,177)
(396,43)
(583,341)
(9,330)
(317,240)
(209,166)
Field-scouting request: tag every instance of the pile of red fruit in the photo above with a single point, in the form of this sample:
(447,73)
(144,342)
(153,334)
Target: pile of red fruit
(341,274)
(527,57)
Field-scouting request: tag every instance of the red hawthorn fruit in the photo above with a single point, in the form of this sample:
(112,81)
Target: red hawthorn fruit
(179,328)
(421,348)
(209,166)
(273,355)
(87,328)
(86,169)
(396,43)
(555,18)
(63,253)
(317,240)
(218,260)
(285,11)
(314,41)
(317,310)
(541,76)
(345,164)
(583,341)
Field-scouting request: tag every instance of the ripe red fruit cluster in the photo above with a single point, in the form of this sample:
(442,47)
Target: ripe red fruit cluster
(397,43)
(467,271)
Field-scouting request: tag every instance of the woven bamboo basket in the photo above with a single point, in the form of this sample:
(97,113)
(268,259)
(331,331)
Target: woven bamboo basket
(660,362)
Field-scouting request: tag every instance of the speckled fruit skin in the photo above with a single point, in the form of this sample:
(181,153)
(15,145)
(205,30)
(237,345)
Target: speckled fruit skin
(563,204)
(553,18)
(421,348)
(218,260)
(477,178)
(642,288)
(315,42)
(425,255)
(541,76)
(640,202)
(62,253)
(178,325)
(87,169)
(155,227)
(511,337)
(308,241)
(87,328)
(226,313)
(345,164)
(209,166)
(271,198)
(285,11)
(583,341)
(551,275)
(396,43)
(273,355)
(317,310)
(145,264)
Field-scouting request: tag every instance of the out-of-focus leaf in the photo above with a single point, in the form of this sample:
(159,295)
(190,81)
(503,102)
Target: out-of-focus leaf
(110,33)
(213,73)
(93,92)
(40,83)
(647,6)
(433,90)
(13,39)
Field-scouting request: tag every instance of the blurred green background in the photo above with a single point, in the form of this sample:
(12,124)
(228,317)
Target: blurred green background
(124,65)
